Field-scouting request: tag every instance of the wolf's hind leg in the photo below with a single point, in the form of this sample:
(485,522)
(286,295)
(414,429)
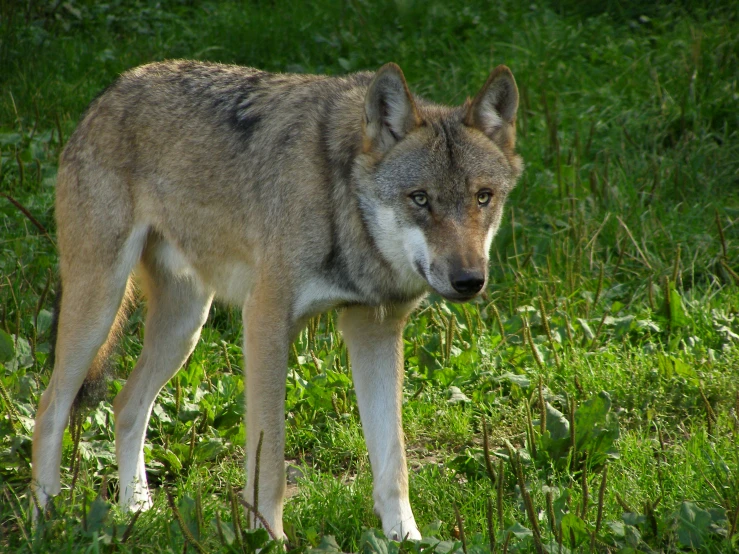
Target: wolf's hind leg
(91,302)
(177,307)
(375,344)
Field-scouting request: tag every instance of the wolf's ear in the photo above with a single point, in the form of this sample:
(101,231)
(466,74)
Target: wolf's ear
(389,110)
(493,110)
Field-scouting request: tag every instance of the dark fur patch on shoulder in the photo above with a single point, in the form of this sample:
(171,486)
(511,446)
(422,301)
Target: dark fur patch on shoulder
(245,124)
(243,118)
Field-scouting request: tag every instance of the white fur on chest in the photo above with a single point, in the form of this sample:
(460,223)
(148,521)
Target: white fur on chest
(317,295)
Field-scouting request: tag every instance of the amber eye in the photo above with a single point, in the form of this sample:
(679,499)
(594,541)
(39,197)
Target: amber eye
(420,198)
(484,197)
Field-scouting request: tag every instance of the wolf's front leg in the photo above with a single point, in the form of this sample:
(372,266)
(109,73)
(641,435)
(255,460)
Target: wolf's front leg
(266,346)
(375,342)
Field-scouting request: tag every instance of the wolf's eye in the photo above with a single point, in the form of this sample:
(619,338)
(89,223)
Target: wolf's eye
(420,198)
(484,197)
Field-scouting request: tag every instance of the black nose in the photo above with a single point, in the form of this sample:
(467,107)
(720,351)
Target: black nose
(468,282)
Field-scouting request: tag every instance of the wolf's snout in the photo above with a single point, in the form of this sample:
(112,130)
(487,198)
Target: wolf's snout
(467,281)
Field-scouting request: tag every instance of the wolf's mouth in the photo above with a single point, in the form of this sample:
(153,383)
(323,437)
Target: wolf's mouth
(421,271)
(450,295)
(458,297)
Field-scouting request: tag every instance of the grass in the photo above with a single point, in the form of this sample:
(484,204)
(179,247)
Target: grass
(615,270)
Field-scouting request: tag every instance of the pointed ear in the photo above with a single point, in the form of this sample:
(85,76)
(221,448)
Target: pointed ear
(493,111)
(389,110)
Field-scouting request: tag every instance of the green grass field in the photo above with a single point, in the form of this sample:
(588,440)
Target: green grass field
(613,304)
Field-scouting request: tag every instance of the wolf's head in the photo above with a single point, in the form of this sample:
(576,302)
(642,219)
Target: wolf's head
(433,180)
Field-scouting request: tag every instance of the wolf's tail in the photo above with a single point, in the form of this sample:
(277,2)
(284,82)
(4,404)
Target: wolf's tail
(95,387)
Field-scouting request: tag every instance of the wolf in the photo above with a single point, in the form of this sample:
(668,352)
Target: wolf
(286,195)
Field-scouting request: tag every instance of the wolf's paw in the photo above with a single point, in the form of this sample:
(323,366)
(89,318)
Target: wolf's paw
(398,522)
(138,501)
(403,531)
(404,534)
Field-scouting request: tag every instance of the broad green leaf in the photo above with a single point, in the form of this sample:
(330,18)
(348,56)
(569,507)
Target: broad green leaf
(519,531)
(553,548)
(520,380)
(678,315)
(632,536)
(372,543)
(574,526)
(428,357)
(96,516)
(591,413)
(10,138)
(256,540)
(718,515)
(691,524)
(567,173)
(188,411)
(432,529)
(617,528)
(456,396)
(622,325)
(43,321)
(684,370)
(22,357)
(471,463)
(726,333)
(7,347)
(327,545)
(649,325)
(100,451)
(673,309)
(188,510)
(447,547)
(557,424)
(226,530)
(555,441)
(633,519)
(230,415)
(586,328)
(161,414)
(209,450)
(168,458)
(596,429)
(532,314)
(671,365)
(561,505)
